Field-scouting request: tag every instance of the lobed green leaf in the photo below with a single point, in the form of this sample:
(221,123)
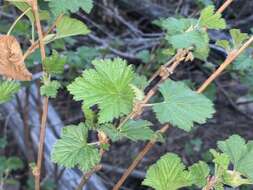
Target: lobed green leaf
(182,106)
(73,150)
(108,86)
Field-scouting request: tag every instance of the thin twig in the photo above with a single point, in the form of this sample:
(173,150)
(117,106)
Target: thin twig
(230,58)
(137,160)
(37,172)
(224,6)
(17,20)
(211,181)
(87,175)
(35,45)
(164,73)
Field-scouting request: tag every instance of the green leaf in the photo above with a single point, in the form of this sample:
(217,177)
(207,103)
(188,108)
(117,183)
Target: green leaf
(137,130)
(7,90)
(246,165)
(210,19)
(14,163)
(108,86)
(199,173)
(197,40)
(23,6)
(90,116)
(235,179)
(139,84)
(50,89)
(133,130)
(54,64)
(168,173)
(175,26)
(219,186)
(73,150)
(224,44)
(240,154)
(63,6)
(3,165)
(140,81)
(235,148)
(182,106)
(70,27)
(243,63)
(238,37)
(111,131)
(144,55)
(220,159)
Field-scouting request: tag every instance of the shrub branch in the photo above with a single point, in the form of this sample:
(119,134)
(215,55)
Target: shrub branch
(230,58)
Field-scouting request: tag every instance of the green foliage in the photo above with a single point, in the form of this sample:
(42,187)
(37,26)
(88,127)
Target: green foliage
(144,56)
(9,164)
(7,90)
(220,159)
(70,27)
(63,6)
(50,89)
(3,143)
(73,150)
(240,154)
(224,44)
(90,116)
(191,33)
(54,64)
(199,173)
(182,33)
(238,37)
(137,130)
(210,19)
(197,40)
(176,26)
(47,184)
(182,106)
(243,63)
(67,27)
(235,179)
(140,81)
(108,86)
(133,130)
(23,6)
(168,173)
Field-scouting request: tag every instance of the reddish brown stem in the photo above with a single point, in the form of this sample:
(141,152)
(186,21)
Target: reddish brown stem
(41,143)
(37,172)
(230,58)
(224,6)
(35,45)
(86,177)
(139,158)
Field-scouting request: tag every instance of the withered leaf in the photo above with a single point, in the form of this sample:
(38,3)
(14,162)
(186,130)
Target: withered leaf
(11,59)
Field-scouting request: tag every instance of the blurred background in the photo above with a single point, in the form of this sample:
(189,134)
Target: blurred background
(125,28)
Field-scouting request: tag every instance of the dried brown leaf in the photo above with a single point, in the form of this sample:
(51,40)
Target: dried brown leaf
(11,59)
